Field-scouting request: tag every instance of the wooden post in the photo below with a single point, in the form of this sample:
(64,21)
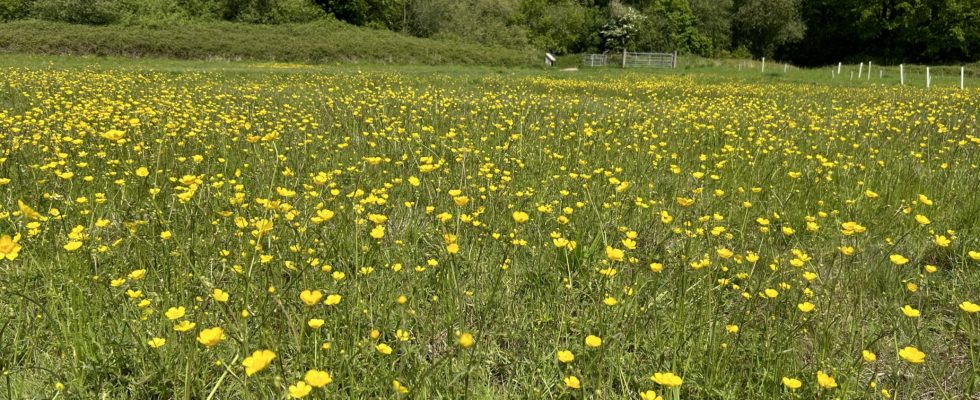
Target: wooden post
(901,73)
(869,70)
(881,73)
(624,57)
(675,60)
(839,64)
(852,75)
(763,65)
(962,75)
(928,78)
(860,70)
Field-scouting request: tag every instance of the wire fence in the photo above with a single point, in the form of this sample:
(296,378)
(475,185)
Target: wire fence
(631,60)
(594,60)
(956,76)
(903,75)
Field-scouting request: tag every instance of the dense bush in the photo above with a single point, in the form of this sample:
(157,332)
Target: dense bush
(93,12)
(318,42)
(808,32)
(12,9)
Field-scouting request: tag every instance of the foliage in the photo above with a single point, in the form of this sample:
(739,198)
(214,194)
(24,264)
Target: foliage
(808,32)
(764,25)
(12,9)
(92,12)
(621,29)
(324,41)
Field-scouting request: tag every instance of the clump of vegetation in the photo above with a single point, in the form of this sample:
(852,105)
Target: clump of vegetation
(318,42)
(813,32)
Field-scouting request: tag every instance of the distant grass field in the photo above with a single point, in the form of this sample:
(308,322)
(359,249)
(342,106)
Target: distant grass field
(323,42)
(214,230)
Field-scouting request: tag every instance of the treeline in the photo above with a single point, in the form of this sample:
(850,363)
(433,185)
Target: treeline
(807,32)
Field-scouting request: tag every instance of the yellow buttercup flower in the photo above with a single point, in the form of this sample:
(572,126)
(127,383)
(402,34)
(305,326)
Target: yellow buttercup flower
(898,259)
(792,383)
(614,254)
(910,312)
(969,307)
(667,379)
(315,323)
(317,378)
(593,341)
(211,336)
(310,297)
(650,395)
(466,340)
(912,355)
(259,360)
(156,342)
(184,326)
(565,356)
(826,381)
(9,248)
(399,387)
(175,313)
(333,299)
(299,390)
(220,296)
(922,219)
(573,382)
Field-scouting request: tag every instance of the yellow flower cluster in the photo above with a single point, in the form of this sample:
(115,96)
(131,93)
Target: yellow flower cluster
(373,234)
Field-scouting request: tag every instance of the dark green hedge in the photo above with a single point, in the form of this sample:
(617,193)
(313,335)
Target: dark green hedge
(317,42)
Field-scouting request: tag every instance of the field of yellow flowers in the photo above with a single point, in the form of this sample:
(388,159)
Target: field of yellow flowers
(386,233)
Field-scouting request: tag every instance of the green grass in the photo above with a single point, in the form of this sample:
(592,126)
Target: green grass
(322,42)
(229,147)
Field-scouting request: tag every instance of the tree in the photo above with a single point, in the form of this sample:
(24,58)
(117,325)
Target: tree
(562,26)
(763,26)
(620,31)
(714,20)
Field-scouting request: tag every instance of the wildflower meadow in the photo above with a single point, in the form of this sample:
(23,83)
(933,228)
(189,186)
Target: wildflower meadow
(271,231)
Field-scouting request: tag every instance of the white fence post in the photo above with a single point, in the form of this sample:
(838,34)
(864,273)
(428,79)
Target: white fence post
(901,73)
(675,60)
(869,70)
(962,75)
(928,78)
(763,65)
(839,65)
(860,70)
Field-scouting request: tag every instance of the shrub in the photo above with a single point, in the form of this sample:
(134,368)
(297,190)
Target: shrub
(90,12)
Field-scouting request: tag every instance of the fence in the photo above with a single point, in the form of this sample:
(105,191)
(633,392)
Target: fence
(594,60)
(652,60)
(960,76)
(632,60)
